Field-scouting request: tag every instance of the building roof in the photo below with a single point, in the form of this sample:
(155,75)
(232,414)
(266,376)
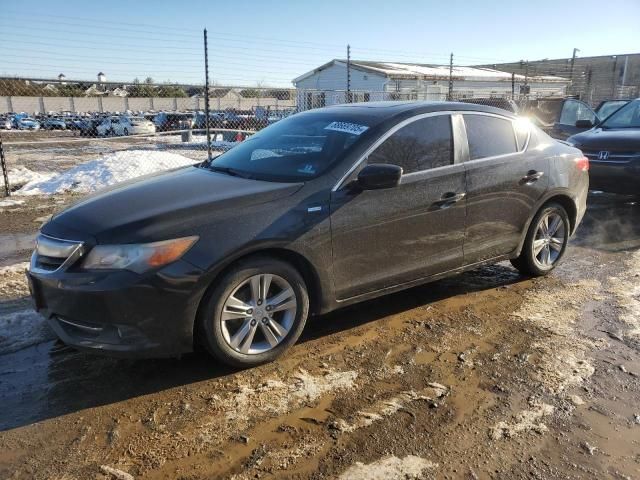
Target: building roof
(401,70)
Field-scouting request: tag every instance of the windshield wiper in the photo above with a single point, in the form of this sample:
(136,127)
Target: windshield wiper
(229,171)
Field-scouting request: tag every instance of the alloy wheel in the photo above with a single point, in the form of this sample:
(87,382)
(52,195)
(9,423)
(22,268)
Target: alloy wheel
(549,240)
(258,314)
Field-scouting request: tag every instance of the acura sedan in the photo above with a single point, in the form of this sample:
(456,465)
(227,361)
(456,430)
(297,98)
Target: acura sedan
(323,209)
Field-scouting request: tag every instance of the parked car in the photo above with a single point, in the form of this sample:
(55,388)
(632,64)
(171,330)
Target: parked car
(88,127)
(216,120)
(140,125)
(54,124)
(114,125)
(26,123)
(323,209)
(5,123)
(173,121)
(613,148)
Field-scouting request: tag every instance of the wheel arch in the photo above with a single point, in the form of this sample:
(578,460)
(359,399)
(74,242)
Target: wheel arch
(561,197)
(296,259)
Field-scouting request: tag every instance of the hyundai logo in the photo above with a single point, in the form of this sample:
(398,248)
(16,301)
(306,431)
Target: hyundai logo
(603,155)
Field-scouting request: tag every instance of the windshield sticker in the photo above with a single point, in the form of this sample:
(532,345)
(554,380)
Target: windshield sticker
(345,127)
(307,169)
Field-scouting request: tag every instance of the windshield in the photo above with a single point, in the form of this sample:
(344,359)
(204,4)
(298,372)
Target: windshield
(296,149)
(608,108)
(627,117)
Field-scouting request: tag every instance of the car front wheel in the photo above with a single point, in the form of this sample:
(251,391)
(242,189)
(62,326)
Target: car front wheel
(255,313)
(546,241)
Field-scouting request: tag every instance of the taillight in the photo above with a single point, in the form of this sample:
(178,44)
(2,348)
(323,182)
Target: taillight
(582,164)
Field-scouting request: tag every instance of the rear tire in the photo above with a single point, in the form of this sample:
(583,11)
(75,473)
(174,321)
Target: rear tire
(242,324)
(546,241)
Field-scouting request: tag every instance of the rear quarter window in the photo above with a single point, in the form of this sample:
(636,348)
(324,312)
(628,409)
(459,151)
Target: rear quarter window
(489,136)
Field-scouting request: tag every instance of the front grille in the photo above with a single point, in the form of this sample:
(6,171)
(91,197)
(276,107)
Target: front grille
(613,157)
(52,254)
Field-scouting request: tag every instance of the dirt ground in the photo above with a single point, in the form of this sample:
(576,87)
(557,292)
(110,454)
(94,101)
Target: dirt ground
(485,375)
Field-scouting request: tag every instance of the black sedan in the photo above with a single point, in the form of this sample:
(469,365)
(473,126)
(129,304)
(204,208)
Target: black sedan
(323,209)
(613,148)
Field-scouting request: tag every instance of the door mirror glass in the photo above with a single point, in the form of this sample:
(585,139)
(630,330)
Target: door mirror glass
(584,124)
(377,176)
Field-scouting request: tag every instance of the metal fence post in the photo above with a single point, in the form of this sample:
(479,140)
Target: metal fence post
(348,73)
(450,94)
(5,173)
(207,120)
(513,85)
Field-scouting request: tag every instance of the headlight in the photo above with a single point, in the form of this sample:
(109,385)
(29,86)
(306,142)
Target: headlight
(137,257)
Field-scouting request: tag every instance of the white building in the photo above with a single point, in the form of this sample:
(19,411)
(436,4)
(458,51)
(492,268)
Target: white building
(102,77)
(326,85)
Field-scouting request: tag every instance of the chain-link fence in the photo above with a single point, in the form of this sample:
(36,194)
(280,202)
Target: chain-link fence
(64,135)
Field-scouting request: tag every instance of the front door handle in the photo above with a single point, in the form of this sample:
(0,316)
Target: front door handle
(531,177)
(449,199)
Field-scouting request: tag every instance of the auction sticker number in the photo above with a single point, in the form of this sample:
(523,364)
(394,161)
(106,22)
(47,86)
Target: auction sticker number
(345,127)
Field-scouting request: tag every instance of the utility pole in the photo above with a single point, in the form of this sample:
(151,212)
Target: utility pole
(348,73)
(206,94)
(573,62)
(513,85)
(450,94)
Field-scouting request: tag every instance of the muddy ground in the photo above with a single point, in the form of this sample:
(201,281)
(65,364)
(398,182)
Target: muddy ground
(485,375)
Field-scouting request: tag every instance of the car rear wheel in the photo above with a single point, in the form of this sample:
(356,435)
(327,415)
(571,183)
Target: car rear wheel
(546,241)
(255,313)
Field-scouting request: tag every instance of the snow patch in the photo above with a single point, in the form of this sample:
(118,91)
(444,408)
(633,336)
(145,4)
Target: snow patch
(13,282)
(20,176)
(525,421)
(273,397)
(22,329)
(389,468)
(564,361)
(105,171)
(10,202)
(627,293)
(386,408)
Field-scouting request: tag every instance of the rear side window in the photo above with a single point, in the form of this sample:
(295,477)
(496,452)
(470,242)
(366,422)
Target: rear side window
(522,127)
(489,136)
(424,144)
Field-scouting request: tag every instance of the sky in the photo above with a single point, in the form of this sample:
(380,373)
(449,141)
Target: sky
(270,42)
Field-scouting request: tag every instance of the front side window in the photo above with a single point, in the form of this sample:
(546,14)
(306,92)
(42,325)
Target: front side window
(421,145)
(298,148)
(627,117)
(573,110)
(489,136)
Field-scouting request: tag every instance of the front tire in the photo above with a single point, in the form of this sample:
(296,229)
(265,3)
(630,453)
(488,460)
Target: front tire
(546,241)
(255,313)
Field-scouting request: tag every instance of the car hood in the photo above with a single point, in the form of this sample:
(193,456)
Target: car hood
(614,140)
(160,205)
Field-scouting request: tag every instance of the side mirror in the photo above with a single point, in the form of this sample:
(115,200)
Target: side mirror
(584,124)
(377,176)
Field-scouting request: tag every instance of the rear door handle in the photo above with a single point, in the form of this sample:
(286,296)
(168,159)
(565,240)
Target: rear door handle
(531,176)
(449,199)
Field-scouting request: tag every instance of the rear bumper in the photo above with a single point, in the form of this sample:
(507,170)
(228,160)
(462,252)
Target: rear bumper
(615,177)
(121,313)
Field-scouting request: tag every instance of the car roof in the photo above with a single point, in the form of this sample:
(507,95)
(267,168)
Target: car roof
(392,108)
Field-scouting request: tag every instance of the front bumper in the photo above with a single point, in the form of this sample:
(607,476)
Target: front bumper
(615,177)
(121,313)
